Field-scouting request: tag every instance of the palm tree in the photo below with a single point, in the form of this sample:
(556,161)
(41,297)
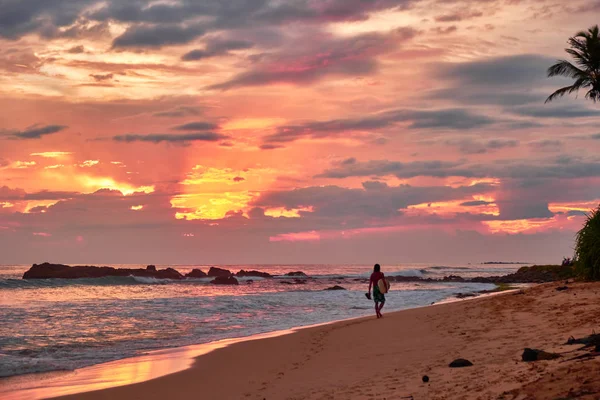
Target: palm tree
(585,49)
(587,246)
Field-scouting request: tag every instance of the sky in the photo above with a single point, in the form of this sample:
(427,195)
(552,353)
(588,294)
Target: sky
(297,131)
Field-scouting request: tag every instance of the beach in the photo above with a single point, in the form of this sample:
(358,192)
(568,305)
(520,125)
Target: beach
(386,359)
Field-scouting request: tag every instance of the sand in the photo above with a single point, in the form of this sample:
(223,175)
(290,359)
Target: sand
(371,358)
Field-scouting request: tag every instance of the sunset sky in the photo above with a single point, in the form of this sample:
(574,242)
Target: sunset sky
(297,131)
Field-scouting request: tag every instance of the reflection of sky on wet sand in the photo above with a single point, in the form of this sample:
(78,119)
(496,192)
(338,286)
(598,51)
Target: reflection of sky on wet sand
(112,374)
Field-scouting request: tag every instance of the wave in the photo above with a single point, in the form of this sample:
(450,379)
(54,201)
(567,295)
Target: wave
(104,281)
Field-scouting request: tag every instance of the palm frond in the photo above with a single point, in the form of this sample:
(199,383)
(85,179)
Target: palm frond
(561,92)
(564,68)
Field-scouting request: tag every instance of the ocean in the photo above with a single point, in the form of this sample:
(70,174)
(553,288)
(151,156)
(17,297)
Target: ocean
(59,324)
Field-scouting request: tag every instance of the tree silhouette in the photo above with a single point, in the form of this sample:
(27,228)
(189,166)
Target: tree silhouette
(585,49)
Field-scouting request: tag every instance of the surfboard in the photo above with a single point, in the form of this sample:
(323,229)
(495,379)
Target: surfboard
(383,285)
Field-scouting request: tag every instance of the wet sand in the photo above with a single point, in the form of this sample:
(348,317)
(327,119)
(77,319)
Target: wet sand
(369,358)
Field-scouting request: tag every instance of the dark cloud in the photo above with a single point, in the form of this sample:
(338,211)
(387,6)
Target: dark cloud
(270,146)
(76,50)
(239,179)
(354,56)
(180,111)
(196,126)
(8,194)
(552,168)
(451,119)
(348,169)
(477,96)
(522,70)
(36,132)
(102,77)
(171,138)
(547,145)
(476,203)
(458,16)
(374,200)
(556,111)
(595,136)
(471,146)
(156,36)
(217,47)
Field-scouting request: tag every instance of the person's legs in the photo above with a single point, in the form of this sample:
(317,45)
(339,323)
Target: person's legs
(380,307)
(377,309)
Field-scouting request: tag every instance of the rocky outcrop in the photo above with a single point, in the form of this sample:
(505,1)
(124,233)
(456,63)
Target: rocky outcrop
(460,363)
(254,274)
(297,273)
(336,287)
(225,280)
(536,355)
(196,273)
(219,272)
(151,267)
(49,271)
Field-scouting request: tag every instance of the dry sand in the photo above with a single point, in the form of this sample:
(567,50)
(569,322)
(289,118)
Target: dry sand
(385,359)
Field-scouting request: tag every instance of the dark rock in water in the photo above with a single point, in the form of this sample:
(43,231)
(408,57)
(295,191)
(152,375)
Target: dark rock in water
(219,272)
(287,283)
(50,271)
(249,281)
(296,273)
(460,363)
(151,267)
(465,295)
(256,274)
(225,280)
(536,355)
(425,379)
(453,278)
(561,288)
(336,287)
(196,273)
(300,281)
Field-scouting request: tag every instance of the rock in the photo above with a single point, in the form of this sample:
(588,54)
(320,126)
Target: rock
(460,363)
(465,295)
(225,280)
(425,379)
(287,283)
(151,268)
(561,288)
(249,281)
(536,355)
(453,278)
(219,272)
(336,287)
(196,273)
(300,281)
(296,273)
(256,274)
(50,271)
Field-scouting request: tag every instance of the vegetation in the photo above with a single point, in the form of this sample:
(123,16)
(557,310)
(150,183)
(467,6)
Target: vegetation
(585,49)
(587,247)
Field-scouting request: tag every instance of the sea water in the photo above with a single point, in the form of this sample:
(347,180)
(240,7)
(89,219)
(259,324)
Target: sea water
(61,324)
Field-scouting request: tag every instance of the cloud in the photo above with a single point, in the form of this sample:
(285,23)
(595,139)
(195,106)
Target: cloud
(374,200)
(451,119)
(470,146)
(156,36)
(76,50)
(547,145)
(352,168)
(270,146)
(180,111)
(217,47)
(521,70)
(171,138)
(458,16)
(354,56)
(534,169)
(556,111)
(476,203)
(196,126)
(36,131)
(102,78)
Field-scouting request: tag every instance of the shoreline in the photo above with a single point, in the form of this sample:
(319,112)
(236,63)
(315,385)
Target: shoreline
(157,363)
(163,362)
(386,358)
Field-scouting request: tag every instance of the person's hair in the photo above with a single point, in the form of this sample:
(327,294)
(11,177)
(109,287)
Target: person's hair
(377,268)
